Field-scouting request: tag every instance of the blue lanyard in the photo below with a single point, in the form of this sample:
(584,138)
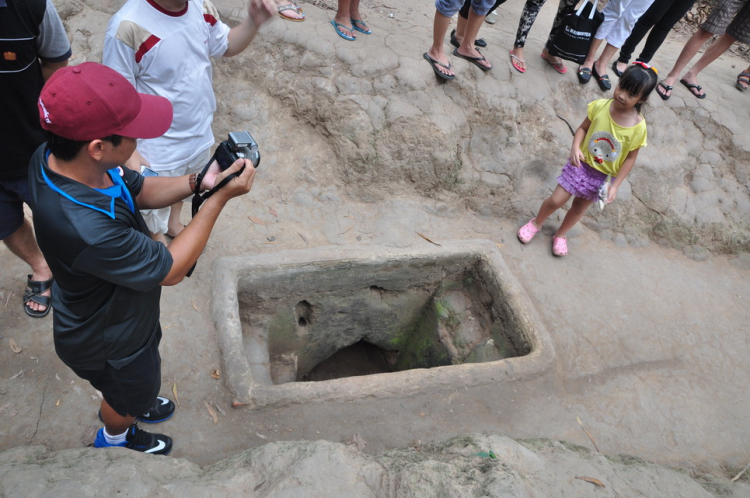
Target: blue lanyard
(114,174)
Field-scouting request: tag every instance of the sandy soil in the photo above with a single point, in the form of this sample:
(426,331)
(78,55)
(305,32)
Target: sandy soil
(651,340)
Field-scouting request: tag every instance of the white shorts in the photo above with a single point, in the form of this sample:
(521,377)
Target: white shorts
(620,17)
(157,219)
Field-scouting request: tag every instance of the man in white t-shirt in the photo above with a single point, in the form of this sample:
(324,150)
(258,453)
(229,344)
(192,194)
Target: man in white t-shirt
(164,48)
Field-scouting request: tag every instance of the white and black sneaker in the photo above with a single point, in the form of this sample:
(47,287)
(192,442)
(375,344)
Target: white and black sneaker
(138,440)
(163,409)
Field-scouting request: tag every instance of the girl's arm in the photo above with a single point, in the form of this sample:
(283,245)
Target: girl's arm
(576,156)
(624,170)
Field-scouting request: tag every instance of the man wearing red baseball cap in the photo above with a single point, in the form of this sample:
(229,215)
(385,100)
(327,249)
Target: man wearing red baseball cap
(108,271)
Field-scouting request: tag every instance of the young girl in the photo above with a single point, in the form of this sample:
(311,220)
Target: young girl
(606,143)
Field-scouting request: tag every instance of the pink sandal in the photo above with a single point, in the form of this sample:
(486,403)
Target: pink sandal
(527,232)
(559,246)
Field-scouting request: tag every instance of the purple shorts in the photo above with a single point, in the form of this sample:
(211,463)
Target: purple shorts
(583,182)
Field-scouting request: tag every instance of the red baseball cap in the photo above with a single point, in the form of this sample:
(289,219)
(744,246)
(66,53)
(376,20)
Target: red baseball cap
(91,101)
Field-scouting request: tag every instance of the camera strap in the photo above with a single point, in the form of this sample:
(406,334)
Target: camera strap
(199,198)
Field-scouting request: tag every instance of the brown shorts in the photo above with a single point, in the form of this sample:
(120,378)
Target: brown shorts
(731,17)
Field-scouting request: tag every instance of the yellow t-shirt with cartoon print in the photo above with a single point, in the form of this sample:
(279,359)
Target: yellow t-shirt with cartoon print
(607,144)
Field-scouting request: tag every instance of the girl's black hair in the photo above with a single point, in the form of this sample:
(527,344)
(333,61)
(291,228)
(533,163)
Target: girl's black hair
(66,150)
(638,80)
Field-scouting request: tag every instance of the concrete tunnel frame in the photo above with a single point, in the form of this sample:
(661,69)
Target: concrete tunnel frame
(249,381)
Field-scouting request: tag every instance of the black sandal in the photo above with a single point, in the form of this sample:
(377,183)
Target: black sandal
(584,75)
(33,293)
(666,88)
(479,42)
(603,81)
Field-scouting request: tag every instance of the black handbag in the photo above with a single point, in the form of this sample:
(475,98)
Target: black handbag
(575,33)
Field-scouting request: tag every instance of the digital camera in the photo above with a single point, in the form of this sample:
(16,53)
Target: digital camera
(239,145)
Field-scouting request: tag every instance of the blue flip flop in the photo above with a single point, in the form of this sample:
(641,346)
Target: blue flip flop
(341,34)
(354,25)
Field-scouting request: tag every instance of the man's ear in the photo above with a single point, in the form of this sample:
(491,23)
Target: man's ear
(95,149)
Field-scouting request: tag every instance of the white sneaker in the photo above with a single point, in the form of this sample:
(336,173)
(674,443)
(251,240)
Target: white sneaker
(491,18)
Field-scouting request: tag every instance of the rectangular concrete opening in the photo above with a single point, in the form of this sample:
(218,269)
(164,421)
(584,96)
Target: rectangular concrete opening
(350,322)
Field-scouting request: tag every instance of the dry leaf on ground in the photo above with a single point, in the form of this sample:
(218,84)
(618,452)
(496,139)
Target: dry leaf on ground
(19,374)
(427,239)
(174,392)
(215,373)
(273,212)
(587,433)
(211,412)
(221,410)
(14,346)
(591,480)
(260,435)
(255,220)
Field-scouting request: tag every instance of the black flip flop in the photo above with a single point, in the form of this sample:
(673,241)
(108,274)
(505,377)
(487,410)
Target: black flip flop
(479,42)
(584,75)
(667,88)
(603,81)
(691,87)
(33,293)
(474,60)
(433,63)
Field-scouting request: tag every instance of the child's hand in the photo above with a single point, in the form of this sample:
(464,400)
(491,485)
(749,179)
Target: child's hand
(576,157)
(611,194)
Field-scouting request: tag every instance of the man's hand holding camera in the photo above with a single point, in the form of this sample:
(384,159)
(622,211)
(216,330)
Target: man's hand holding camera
(239,185)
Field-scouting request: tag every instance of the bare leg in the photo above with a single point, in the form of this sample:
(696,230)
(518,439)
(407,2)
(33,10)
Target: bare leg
(551,204)
(461,28)
(472,30)
(439,29)
(574,214)
(343,16)
(23,244)
(591,56)
(174,225)
(115,423)
(603,62)
(717,48)
(691,48)
(354,14)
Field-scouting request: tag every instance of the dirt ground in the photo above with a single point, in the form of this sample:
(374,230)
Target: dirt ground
(651,339)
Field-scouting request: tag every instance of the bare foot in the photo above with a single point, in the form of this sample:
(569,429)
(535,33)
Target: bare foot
(343,28)
(475,54)
(40,277)
(555,61)
(290,13)
(518,61)
(442,58)
(691,83)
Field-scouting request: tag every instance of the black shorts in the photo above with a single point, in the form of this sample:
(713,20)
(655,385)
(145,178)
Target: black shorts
(133,388)
(13,193)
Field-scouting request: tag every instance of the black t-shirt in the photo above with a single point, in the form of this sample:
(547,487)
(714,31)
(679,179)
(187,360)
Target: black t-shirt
(107,269)
(29,30)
